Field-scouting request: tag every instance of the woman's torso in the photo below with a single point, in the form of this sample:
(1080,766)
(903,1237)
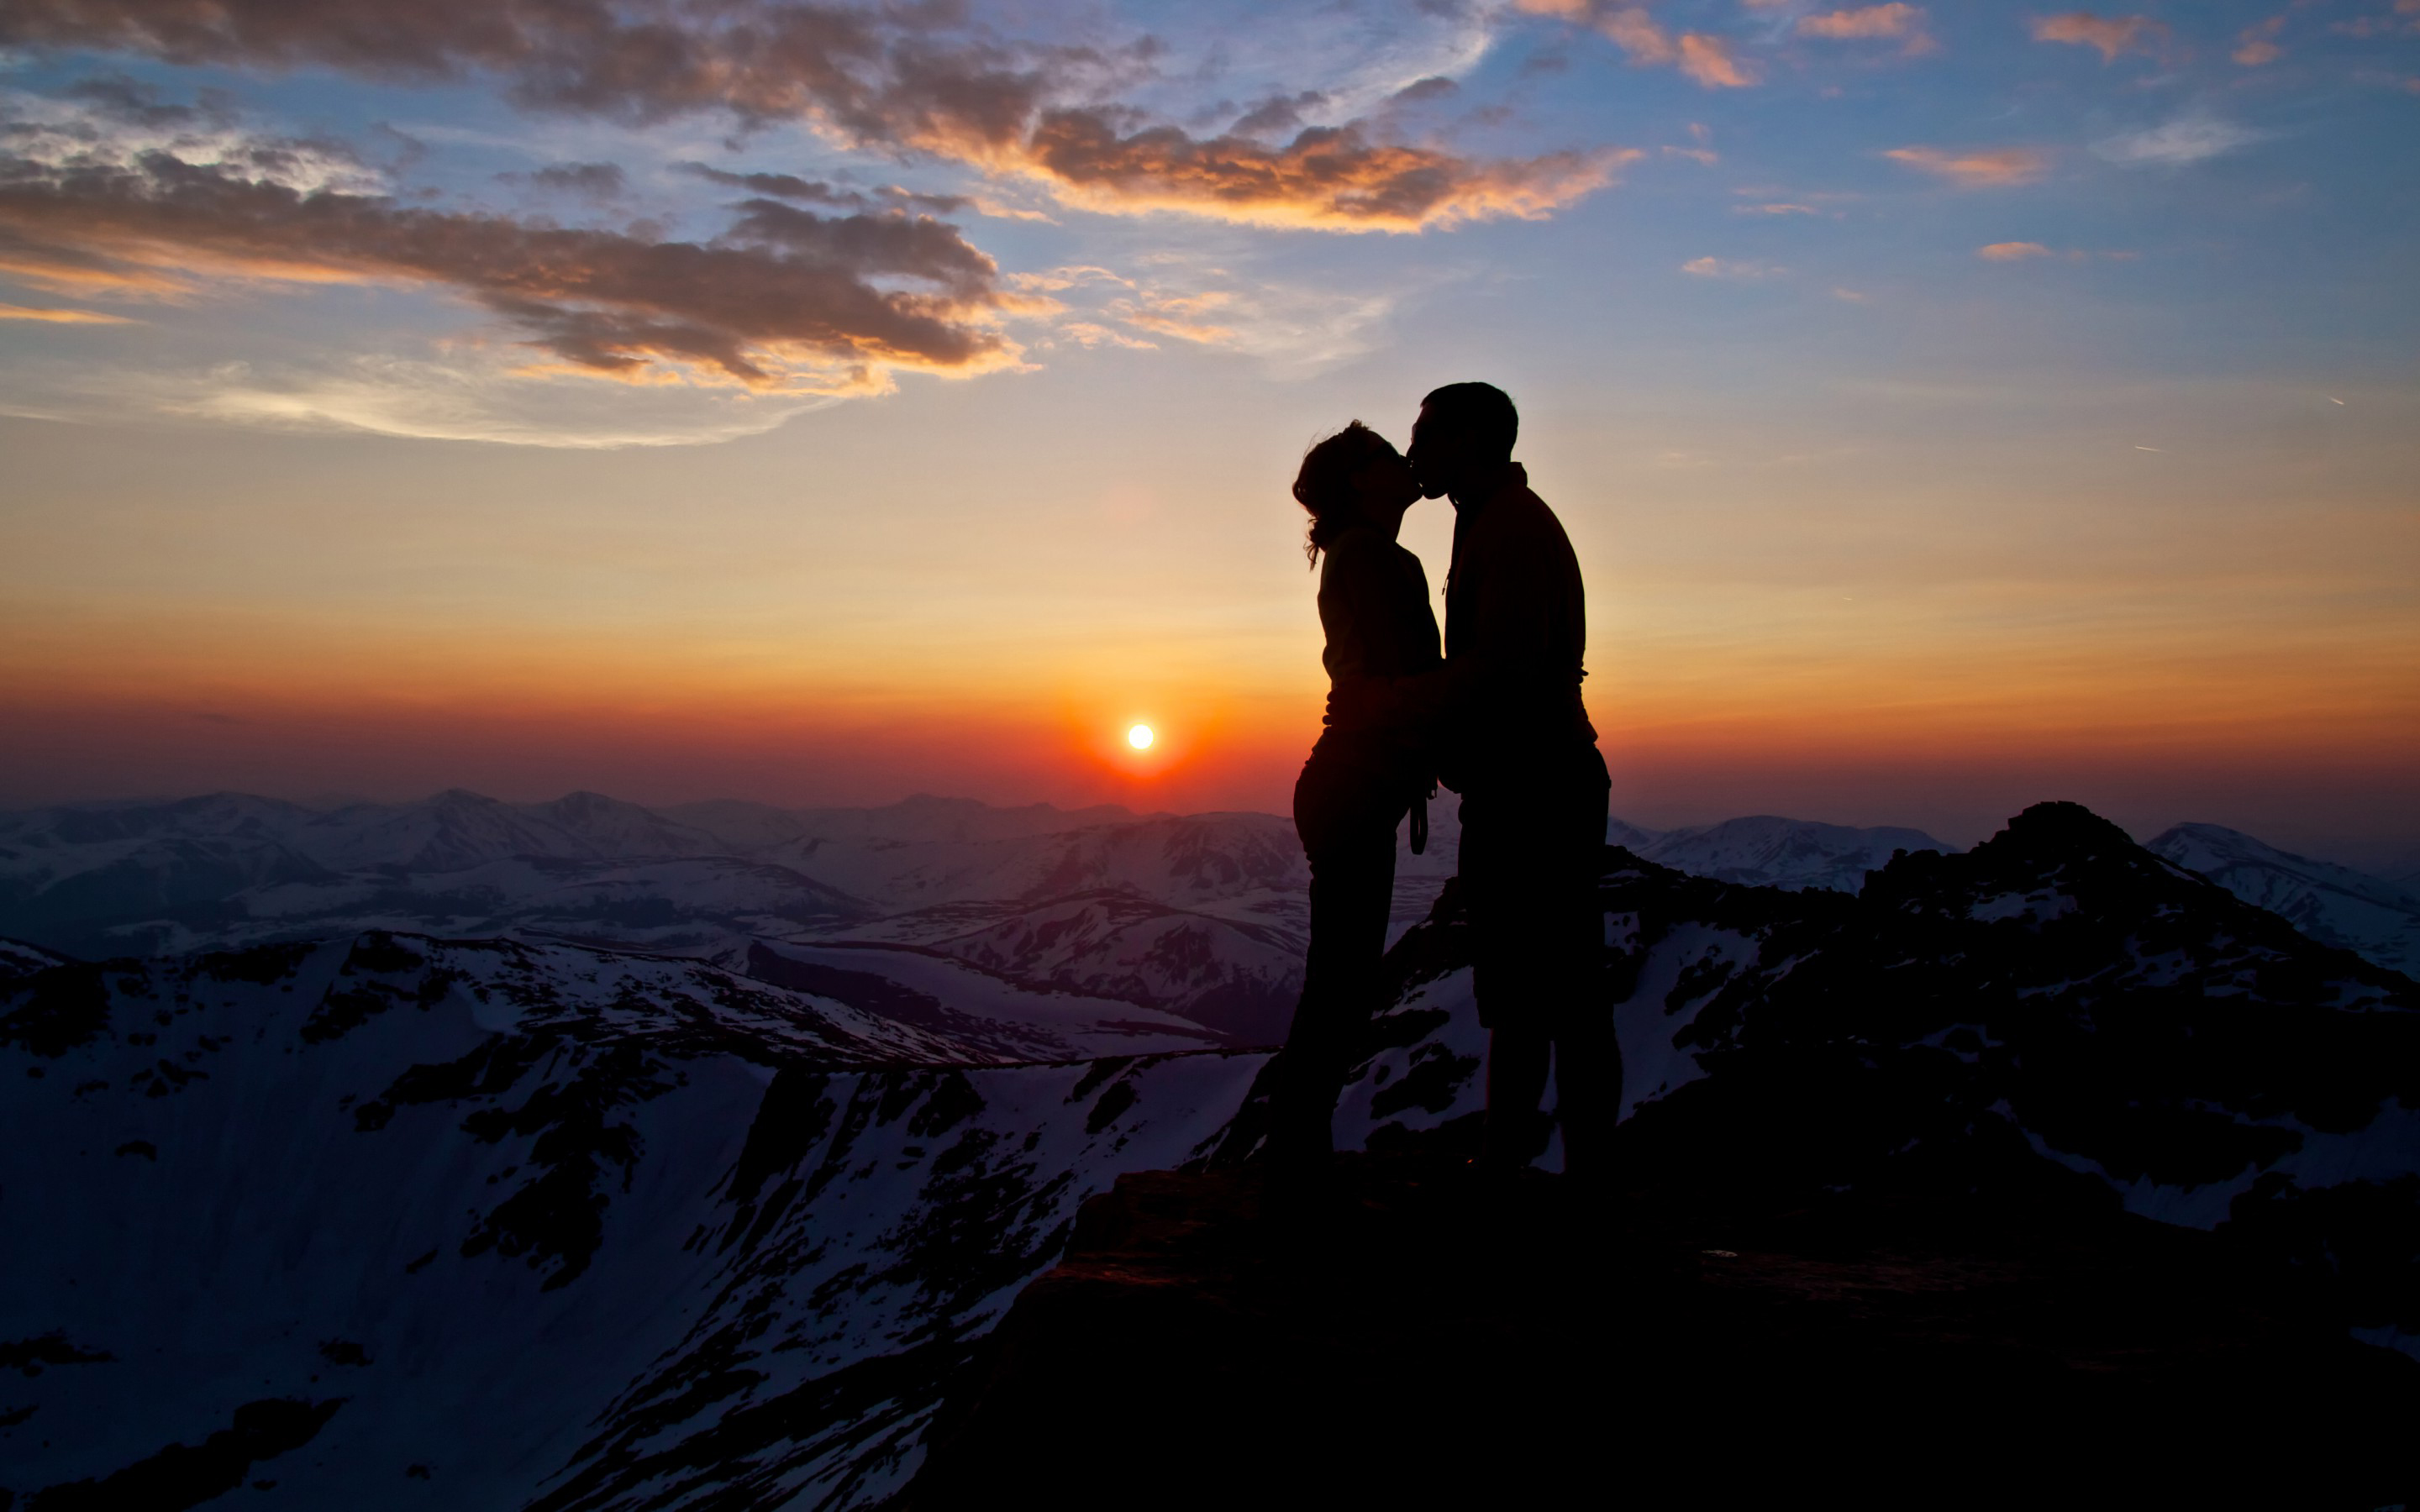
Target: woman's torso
(1374,607)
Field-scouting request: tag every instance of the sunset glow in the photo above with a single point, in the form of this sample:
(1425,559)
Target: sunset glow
(1950,407)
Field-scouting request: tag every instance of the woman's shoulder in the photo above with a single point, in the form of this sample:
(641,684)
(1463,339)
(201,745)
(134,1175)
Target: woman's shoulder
(1355,541)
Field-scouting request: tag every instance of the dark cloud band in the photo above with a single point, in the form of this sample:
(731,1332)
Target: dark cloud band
(901,80)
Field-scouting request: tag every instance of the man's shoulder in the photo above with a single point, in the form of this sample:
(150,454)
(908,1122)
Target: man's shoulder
(1519,513)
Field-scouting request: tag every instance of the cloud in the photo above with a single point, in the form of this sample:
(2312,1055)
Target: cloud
(1774,209)
(1435,86)
(1699,56)
(817,192)
(1293,331)
(388,395)
(1976,167)
(1327,178)
(598,181)
(63,317)
(2009,252)
(784,299)
(2257,44)
(2112,35)
(1279,113)
(2187,139)
(1722,268)
(1710,61)
(1901,22)
(906,80)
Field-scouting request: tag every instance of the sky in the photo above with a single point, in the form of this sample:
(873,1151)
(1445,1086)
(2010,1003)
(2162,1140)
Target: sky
(1953,407)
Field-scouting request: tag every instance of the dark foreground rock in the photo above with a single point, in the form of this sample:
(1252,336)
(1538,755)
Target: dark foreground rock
(1420,1340)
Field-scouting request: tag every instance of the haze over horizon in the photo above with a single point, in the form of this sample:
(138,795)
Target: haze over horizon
(1952,407)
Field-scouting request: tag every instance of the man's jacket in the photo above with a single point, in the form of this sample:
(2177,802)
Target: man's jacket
(1507,697)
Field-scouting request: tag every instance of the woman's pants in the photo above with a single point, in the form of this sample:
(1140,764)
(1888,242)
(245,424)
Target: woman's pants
(1346,816)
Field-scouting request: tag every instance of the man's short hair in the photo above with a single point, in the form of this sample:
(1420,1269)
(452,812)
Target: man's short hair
(1482,411)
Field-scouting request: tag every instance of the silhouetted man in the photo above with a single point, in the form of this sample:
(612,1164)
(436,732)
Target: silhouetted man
(1516,743)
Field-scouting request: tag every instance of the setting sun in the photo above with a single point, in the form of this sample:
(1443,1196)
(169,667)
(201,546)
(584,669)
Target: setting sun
(1140,737)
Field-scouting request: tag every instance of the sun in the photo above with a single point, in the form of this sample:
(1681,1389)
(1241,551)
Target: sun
(1140,737)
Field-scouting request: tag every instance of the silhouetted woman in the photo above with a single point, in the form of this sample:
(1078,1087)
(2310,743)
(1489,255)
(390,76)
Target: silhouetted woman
(1364,774)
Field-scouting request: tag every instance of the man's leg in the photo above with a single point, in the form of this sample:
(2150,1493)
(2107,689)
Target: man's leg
(1517,1083)
(1500,857)
(1588,1053)
(1588,1093)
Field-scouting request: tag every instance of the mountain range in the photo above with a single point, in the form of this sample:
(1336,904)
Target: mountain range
(1200,916)
(381,1220)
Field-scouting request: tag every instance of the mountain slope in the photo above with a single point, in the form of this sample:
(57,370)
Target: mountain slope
(2373,917)
(494,1224)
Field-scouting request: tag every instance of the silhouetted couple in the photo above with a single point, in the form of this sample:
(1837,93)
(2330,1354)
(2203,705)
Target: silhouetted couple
(1497,717)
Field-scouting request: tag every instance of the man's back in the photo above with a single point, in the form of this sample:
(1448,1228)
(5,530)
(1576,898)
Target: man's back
(1517,623)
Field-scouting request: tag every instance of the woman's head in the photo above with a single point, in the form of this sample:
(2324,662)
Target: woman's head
(1354,477)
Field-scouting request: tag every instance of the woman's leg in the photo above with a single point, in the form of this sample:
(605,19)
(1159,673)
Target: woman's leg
(1348,832)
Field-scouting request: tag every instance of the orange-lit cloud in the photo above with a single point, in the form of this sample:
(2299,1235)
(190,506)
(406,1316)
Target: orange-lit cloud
(1332,178)
(2112,35)
(62,317)
(1976,167)
(1699,56)
(1897,22)
(2258,44)
(2009,252)
(1711,62)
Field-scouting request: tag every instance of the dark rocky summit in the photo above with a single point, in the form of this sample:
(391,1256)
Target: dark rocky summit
(1420,1339)
(1887,1229)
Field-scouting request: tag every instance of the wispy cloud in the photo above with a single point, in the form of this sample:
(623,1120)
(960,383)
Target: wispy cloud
(1726,268)
(1295,331)
(63,317)
(2014,251)
(2257,44)
(2113,34)
(2189,138)
(1976,167)
(1902,24)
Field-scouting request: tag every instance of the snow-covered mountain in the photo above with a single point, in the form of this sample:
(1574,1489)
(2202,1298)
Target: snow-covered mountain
(1767,852)
(2372,916)
(386,1222)
(1200,916)
(381,1221)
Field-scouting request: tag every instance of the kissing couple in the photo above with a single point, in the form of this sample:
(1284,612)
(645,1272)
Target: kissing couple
(1496,715)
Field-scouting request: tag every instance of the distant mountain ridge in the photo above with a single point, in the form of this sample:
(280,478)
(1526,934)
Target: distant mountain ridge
(1200,916)
(2372,916)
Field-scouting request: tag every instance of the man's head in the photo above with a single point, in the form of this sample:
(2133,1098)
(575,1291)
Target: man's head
(1464,438)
